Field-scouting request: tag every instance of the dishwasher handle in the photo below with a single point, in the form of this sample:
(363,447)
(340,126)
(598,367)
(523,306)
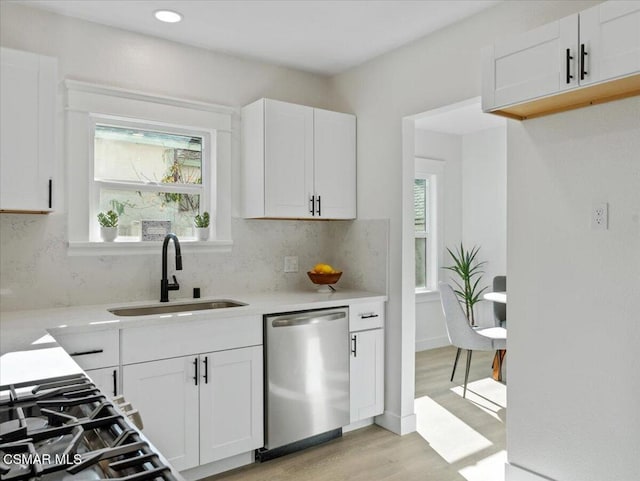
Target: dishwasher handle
(305,319)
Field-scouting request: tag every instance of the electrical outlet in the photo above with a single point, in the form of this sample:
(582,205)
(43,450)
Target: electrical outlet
(600,216)
(291,263)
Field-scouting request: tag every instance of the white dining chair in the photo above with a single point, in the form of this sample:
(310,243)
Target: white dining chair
(463,336)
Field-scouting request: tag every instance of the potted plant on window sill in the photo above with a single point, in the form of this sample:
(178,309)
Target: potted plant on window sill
(201,223)
(108,225)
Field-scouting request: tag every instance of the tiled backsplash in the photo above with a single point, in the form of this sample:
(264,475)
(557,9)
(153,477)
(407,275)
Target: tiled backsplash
(36,271)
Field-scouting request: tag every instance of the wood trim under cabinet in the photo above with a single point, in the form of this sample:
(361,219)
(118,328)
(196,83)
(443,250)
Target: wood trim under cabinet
(574,99)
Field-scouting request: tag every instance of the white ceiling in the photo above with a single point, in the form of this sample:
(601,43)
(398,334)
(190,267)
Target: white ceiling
(325,37)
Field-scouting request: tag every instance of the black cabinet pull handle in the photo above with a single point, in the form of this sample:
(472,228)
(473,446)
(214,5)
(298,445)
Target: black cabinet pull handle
(85,353)
(312,203)
(569,58)
(115,382)
(319,206)
(206,369)
(354,346)
(368,316)
(50,193)
(583,54)
(195,364)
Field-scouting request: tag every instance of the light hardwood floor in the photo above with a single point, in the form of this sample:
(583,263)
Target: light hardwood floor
(373,453)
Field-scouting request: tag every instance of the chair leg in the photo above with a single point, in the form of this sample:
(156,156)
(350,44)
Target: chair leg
(466,374)
(455,363)
(500,354)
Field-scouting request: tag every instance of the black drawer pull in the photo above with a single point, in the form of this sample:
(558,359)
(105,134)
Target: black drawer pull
(86,353)
(195,377)
(368,316)
(115,382)
(354,346)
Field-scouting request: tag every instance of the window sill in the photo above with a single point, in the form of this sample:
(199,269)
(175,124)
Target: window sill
(427,295)
(123,248)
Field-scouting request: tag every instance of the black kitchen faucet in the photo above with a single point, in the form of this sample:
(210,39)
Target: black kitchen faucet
(165,287)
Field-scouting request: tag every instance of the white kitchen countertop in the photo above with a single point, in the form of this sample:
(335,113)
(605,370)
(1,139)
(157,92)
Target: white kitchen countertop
(28,329)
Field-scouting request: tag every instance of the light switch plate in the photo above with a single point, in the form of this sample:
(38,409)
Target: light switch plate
(291,263)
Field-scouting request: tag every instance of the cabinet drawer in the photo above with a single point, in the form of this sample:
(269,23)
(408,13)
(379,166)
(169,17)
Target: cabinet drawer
(366,315)
(91,350)
(140,344)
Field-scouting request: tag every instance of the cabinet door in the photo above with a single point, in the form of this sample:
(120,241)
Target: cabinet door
(610,33)
(27,118)
(533,64)
(288,159)
(334,148)
(367,374)
(106,379)
(166,395)
(231,403)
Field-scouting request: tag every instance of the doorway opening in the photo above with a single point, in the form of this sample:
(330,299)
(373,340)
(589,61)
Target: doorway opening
(455,157)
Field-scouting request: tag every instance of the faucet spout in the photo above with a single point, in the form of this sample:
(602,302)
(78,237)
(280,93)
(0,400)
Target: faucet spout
(165,286)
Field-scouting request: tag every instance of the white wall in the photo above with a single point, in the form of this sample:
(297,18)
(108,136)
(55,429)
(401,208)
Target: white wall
(574,294)
(484,206)
(430,328)
(438,70)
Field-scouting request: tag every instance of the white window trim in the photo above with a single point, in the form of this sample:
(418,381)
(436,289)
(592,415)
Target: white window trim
(433,170)
(86,102)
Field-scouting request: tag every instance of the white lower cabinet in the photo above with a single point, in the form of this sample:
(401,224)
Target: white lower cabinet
(200,408)
(367,374)
(105,379)
(231,404)
(166,395)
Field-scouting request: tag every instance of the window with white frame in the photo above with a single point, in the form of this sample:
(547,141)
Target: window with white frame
(150,172)
(149,158)
(427,195)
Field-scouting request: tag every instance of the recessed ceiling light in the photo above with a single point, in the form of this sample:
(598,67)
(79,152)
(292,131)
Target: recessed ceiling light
(168,16)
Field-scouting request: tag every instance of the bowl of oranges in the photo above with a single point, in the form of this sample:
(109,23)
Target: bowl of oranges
(324,275)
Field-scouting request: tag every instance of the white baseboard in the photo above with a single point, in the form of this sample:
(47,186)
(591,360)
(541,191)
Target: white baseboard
(357,425)
(396,424)
(431,343)
(515,473)
(216,467)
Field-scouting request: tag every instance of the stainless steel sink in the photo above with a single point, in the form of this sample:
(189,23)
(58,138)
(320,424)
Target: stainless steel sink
(171,308)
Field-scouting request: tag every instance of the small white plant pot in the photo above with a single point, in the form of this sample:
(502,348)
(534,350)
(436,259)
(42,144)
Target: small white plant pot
(108,234)
(202,233)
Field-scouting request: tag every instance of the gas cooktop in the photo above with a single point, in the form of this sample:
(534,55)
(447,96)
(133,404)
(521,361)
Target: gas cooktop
(65,429)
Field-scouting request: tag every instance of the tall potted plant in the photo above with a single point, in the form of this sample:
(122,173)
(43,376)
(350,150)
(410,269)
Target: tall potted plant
(470,273)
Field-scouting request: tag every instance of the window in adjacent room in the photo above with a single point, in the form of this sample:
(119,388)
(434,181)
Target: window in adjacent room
(421,206)
(150,173)
(427,202)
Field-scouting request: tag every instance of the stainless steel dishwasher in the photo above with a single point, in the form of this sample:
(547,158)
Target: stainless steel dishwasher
(306,379)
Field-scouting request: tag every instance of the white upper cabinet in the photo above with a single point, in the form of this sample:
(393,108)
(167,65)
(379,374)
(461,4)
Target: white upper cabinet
(298,162)
(27,131)
(334,152)
(531,65)
(547,70)
(610,34)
